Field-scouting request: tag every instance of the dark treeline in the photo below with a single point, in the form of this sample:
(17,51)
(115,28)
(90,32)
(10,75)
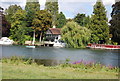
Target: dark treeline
(115,22)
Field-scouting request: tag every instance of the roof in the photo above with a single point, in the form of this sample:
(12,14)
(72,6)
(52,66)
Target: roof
(56,31)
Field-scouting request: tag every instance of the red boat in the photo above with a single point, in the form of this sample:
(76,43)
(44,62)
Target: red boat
(103,46)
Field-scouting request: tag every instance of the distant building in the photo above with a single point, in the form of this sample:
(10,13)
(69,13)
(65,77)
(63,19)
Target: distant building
(53,34)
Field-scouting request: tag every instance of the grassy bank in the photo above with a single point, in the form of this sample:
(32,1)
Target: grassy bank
(26,69)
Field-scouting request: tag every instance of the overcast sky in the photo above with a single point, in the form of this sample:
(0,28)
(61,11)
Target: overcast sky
(69,7)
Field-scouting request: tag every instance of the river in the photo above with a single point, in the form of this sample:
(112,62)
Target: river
(54,56)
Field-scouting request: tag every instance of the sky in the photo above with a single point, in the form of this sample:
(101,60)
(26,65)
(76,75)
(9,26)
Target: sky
(69,7)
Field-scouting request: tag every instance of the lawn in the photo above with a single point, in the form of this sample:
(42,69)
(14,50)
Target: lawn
(34,71)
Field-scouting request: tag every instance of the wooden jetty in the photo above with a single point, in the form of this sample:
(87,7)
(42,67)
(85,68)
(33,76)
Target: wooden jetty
(44,43)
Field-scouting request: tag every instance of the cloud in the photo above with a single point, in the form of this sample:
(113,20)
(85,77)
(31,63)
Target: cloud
(42,4)
(82,6)
(6,3)
(69,7)
(108,2)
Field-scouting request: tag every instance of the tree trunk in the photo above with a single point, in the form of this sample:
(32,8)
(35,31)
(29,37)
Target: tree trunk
(33,42)
(40,39)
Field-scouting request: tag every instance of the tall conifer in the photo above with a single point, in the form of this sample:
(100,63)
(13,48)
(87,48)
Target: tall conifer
(52,7)
(32,6)
(61,20)
(99,24)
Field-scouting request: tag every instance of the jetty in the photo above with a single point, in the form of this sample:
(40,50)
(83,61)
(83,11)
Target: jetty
(43,43)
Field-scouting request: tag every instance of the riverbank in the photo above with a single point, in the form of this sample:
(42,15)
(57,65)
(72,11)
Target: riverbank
(21,69)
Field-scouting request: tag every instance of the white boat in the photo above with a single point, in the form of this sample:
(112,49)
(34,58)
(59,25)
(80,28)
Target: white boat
(58,43)
(30,46)
(6,41)
(33,42)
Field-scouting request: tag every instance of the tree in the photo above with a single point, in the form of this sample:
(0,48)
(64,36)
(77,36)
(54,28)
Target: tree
(52,7)
(99,24)
(11,11)
(1,9)
(87,21)
(75,36)
(41,22)
(31,7)
(115,22)
(1,13)
(81,19)
(5,27)
(61,20)
(5,24)
(18,27)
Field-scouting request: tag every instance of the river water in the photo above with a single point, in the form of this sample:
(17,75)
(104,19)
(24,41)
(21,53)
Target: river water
(54,56)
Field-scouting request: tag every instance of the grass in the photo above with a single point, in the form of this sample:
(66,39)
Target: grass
(25,69)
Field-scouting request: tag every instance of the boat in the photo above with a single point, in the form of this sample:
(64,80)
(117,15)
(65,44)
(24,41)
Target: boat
(33,42)
(103,46)
(30,46)
(58,43)
(6,41)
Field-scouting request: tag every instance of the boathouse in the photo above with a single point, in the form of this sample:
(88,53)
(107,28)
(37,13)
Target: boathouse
(53,34)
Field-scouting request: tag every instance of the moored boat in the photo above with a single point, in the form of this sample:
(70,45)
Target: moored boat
(30,46)
(103,46)
(6,41)
(58,43)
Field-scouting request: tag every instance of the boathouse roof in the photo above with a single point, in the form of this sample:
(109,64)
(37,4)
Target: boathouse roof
(55,31)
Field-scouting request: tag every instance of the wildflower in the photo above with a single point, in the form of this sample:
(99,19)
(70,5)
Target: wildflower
(78,62)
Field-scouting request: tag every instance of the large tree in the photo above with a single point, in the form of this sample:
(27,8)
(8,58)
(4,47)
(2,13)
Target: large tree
(52,7)
(11,11)
(42,22)
(75,36)
(61,20)
(18,27)
(99,24)
(31,7)
(115,22)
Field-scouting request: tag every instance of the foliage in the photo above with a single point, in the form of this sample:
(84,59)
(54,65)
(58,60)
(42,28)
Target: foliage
(75,36)
(31,8)
(11,11)
(69,20)
(61,20)
(41,22)
(52,7)
(99,24)
(115,23)
(5,25)
(18,27)
(82,19)
(1,8)
(17,60)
